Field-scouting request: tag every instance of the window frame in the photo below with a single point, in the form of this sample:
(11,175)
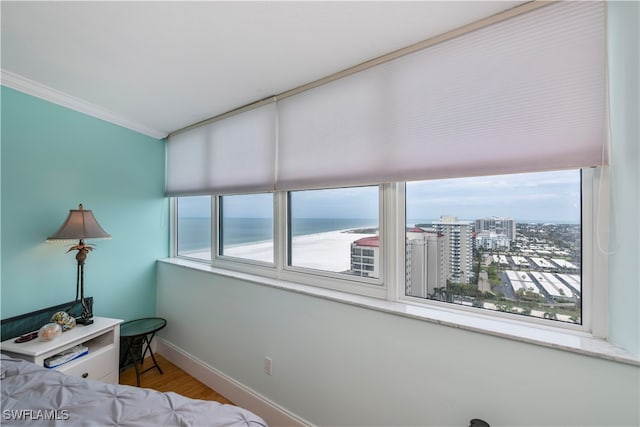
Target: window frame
(244,265)
(326,278)
(390,286)
(174,231)
(594,213)
(218,256)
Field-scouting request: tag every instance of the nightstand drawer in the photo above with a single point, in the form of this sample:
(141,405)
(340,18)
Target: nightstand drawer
(92,366)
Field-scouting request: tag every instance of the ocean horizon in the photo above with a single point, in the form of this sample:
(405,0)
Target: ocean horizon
(194,233)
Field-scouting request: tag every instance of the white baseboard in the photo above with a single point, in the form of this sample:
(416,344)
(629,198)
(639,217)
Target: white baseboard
(238,393)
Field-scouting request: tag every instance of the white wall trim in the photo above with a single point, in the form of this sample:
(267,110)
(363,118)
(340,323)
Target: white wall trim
(235,391)
(22,84)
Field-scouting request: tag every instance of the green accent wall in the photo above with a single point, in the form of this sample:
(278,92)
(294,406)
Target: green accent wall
(54,158)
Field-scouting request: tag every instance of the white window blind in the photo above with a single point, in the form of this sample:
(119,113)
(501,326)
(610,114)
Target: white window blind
(232,155)
(526,94)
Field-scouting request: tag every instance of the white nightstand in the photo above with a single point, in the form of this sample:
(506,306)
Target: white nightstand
(101,363)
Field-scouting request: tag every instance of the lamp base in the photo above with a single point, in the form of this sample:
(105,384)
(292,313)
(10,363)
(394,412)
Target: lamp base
(86,318)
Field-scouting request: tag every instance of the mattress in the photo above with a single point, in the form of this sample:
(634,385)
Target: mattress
(35,396)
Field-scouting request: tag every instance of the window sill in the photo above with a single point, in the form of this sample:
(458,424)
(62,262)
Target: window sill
(572,341)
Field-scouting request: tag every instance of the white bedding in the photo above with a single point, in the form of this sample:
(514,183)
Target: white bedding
(36,396)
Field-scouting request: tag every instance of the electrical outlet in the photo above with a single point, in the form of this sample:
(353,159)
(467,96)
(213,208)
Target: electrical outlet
(268,365)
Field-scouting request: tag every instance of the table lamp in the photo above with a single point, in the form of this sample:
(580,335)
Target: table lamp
(80,225)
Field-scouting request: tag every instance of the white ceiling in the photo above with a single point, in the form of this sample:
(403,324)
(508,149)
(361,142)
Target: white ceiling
(160,66)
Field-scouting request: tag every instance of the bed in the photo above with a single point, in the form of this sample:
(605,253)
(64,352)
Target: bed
(32,395)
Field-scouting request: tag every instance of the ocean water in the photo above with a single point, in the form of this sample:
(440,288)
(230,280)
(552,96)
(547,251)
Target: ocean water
(195,233)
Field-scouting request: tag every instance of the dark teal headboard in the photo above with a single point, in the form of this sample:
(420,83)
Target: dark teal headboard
(24,323)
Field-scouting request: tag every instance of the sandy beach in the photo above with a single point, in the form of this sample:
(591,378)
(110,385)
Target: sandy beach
(329,251)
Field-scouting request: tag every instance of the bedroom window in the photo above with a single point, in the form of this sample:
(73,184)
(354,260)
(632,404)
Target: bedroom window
(335,230)
(521,246)
(246,227)
(193,227)
(510,243)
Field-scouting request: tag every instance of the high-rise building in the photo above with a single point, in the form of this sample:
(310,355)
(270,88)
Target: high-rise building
(425,270)
(435,253)
(425,266)
(458,247)
(365,257)
(498,225)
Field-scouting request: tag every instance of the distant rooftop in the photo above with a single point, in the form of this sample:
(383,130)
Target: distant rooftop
(373,241)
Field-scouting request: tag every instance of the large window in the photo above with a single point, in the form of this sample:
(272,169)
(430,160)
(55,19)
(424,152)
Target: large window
(246,227)
(335,230)
(507,243)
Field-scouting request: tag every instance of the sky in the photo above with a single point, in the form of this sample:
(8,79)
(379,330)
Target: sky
(544,197)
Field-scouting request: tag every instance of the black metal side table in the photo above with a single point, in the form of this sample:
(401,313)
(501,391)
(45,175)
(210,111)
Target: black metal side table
(140,332)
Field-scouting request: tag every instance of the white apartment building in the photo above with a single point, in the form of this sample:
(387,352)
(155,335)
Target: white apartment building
(458,247)
(492,241)
(365,257)
(498,225)
(425,266)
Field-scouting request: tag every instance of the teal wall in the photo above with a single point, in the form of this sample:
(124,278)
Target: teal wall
(54,158)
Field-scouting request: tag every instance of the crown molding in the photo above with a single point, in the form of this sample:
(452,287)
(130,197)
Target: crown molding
(22,84)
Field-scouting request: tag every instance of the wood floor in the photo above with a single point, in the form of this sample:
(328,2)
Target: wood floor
(174,379)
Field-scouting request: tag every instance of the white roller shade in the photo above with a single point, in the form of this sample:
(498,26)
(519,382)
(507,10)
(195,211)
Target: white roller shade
(526,94)
(522,95)
(231,155)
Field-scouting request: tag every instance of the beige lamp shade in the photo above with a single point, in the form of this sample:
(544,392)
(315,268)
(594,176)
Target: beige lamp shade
(80,225)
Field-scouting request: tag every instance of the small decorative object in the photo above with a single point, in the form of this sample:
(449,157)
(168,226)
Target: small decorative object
(64,319)
(49,331)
